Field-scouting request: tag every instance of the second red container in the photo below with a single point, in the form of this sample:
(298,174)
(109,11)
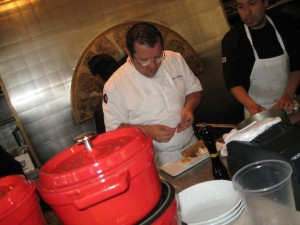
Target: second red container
(19,202)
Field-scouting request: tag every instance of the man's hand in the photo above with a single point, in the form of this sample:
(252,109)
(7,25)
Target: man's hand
(255,108)
(285,102)
(242,96)
(187,119)
(159,133)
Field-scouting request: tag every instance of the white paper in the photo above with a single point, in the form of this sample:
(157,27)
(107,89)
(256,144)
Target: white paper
(25,162)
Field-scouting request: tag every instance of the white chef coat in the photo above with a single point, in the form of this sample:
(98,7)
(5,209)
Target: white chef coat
(133,98)
(269,77)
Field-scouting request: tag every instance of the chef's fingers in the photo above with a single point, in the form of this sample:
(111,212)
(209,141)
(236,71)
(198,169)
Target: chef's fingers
(182,126)
(287,105)
(166,133)
(187,121)
(165,137)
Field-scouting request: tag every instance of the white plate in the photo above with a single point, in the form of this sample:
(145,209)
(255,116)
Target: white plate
(178,167)
(224,217)
(232,219)
(211,200)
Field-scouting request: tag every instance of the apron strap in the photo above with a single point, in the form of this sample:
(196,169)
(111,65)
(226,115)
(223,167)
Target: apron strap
(276,32)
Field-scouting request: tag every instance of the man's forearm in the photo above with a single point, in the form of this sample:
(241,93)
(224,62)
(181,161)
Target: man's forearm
(145,128)
(242,96)
(159,133)
(192,100)
(293,84)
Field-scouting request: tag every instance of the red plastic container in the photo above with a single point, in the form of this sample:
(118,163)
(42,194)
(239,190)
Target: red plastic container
(19,202)
(115,183)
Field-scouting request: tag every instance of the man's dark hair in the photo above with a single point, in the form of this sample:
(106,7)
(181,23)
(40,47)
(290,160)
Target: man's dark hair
(103,65)
(144,34)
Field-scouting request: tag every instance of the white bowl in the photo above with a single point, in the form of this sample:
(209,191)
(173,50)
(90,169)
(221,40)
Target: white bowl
(230,218)
(208,202)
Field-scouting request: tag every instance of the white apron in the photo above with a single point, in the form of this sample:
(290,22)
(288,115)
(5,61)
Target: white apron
(269,77)
(163,100)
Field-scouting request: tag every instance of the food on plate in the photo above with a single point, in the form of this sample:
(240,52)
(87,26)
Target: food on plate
(193,151)
(185,160)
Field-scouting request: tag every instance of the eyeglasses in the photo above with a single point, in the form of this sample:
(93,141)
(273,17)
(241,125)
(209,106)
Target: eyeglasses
(149,61)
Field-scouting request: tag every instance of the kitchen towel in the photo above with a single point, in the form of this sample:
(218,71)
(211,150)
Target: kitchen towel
(249,132)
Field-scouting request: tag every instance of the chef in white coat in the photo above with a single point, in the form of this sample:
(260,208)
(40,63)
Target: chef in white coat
(260,57)
(154,90)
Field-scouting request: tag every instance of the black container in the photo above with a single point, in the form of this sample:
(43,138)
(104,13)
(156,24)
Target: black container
(281,142)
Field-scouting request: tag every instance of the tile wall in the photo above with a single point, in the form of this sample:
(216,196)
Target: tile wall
(41,41)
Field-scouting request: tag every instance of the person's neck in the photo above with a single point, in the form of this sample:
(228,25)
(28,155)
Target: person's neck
(260,26)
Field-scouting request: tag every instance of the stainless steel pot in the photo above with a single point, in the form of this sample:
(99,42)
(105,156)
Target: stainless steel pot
(271,113)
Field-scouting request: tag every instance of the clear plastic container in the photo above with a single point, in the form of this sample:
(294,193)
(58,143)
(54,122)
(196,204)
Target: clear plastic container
(267,193)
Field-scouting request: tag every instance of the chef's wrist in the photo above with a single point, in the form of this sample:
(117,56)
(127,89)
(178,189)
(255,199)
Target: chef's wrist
(288,95)
(143,128)
(146,129)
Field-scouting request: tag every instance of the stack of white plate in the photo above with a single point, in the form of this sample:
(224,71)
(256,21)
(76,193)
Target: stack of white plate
(210,203)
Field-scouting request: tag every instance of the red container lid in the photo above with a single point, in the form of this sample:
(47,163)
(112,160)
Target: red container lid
(110,151)
(13,190)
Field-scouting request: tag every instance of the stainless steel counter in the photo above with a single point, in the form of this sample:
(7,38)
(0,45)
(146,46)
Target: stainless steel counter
(197,174)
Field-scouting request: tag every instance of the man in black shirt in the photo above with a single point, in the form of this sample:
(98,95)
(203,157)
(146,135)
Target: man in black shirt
(261,58)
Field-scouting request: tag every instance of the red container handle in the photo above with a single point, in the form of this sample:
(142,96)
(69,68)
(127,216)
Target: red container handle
(100,190)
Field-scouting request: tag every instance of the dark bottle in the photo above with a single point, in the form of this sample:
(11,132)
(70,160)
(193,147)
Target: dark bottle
(207,134)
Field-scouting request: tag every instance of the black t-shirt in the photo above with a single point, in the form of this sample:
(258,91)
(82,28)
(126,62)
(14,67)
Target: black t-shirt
(237,53)
(266,42)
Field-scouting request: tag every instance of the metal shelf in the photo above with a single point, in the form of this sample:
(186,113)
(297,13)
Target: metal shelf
(6,121)
(5,113)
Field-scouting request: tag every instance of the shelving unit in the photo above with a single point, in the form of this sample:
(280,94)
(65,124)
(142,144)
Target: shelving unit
(9,117)
(5,114)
